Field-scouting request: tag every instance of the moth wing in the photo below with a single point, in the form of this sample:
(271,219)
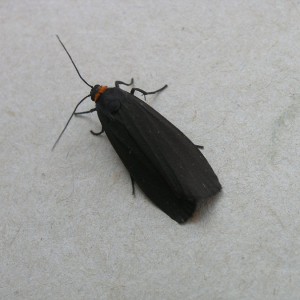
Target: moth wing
(163,161)
(144,173)
(181,163)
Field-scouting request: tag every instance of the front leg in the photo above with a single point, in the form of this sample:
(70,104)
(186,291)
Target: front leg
(147,93)
(85,112)
(118,82)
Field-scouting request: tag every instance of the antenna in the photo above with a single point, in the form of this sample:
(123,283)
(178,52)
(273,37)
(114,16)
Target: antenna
(68,121)
(73,62)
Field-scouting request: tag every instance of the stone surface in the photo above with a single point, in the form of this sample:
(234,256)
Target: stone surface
(70,228)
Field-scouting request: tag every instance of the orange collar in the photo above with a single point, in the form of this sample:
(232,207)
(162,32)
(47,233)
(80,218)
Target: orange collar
(100,92)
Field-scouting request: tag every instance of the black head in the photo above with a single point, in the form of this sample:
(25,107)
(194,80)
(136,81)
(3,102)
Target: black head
(94,91)
(97,91)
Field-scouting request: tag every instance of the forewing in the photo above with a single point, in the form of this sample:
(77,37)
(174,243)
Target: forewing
(170,152)
(144,172)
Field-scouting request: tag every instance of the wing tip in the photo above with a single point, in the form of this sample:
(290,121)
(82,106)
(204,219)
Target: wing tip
(186,216)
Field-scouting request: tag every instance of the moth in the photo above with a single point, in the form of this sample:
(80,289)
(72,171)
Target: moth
(167,166)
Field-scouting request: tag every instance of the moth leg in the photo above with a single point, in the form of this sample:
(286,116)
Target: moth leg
(132,184)
(147,93)
(85,112)
(96,133)
(117,83)
(199,147)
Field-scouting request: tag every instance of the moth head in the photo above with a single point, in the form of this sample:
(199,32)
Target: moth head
(97,91)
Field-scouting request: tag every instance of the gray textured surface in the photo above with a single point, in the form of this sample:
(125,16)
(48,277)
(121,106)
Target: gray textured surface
(70,228)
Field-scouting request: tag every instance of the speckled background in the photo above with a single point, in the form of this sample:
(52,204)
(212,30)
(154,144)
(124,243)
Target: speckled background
(70,228)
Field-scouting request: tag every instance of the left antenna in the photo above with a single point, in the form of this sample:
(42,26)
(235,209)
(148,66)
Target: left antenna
(73,62)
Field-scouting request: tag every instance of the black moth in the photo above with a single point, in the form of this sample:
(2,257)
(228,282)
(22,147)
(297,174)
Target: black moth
(165,164)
